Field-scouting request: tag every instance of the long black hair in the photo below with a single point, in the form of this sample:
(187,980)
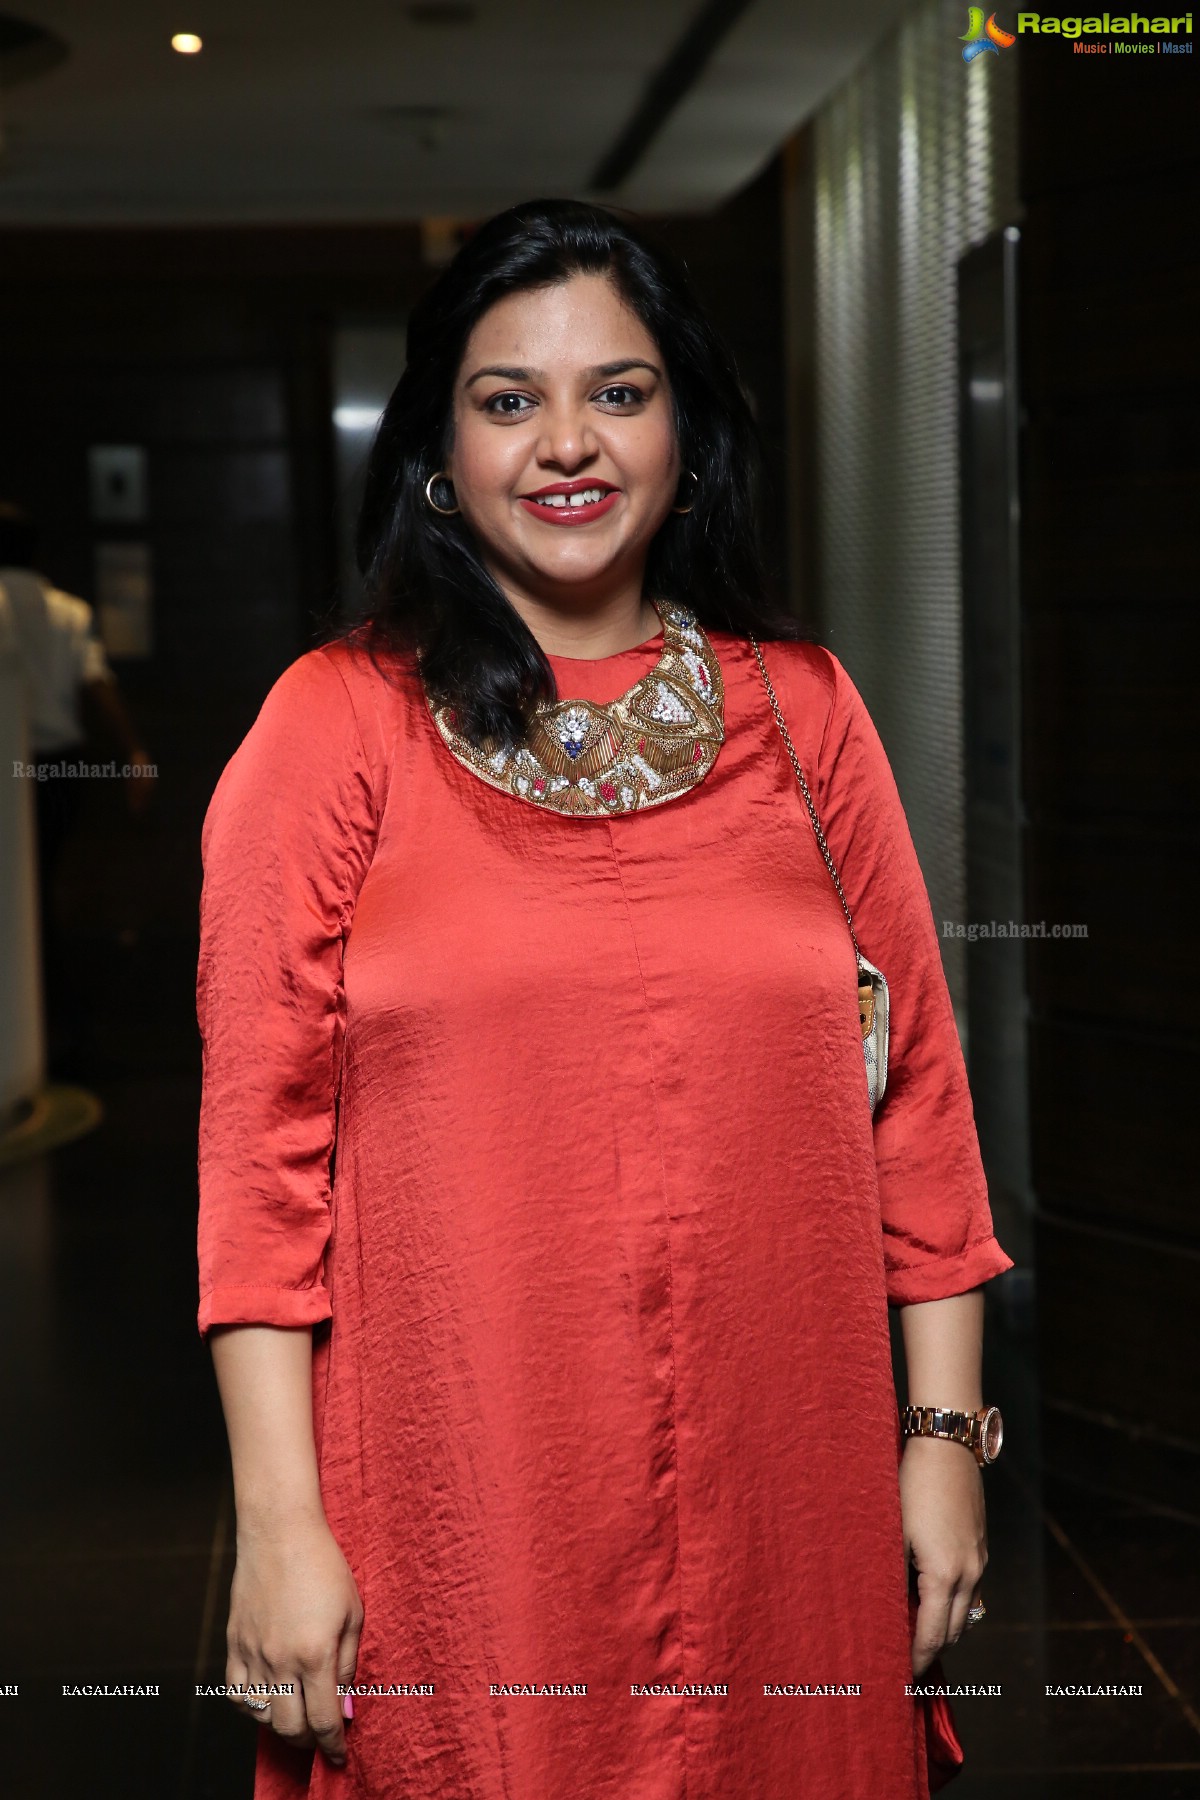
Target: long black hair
(428,589)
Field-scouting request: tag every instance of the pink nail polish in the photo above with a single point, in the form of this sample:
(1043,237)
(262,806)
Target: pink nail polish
(347,1706)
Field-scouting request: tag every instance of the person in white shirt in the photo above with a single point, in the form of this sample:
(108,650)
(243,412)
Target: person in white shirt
(61,656)
(68,685)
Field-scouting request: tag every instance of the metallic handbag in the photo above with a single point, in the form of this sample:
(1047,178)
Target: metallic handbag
(872,983)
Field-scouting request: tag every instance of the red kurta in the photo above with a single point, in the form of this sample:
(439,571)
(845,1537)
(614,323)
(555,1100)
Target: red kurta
(600,1268)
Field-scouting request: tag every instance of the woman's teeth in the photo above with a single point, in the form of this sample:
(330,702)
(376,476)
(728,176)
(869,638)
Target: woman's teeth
(585,497)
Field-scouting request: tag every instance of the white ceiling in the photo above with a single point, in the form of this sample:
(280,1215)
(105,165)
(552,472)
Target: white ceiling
(305,111)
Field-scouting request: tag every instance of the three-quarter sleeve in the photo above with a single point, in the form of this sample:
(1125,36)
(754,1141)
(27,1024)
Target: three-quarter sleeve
(287,840)
(937,1225)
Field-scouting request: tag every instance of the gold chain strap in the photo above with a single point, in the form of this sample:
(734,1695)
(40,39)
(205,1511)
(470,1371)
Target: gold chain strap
(808,799)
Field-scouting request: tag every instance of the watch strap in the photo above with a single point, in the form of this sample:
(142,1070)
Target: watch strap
(944,1422)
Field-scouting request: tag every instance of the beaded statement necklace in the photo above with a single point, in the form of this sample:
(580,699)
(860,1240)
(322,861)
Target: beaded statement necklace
(658,741)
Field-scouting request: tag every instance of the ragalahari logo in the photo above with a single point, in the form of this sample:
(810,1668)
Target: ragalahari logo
(979,37)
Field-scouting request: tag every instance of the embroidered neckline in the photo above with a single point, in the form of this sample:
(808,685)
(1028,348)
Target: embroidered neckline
(654,743)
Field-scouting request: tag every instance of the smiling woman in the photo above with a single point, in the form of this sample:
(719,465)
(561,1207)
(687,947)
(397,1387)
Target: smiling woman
(547,1233)
(560,353)
(569,447)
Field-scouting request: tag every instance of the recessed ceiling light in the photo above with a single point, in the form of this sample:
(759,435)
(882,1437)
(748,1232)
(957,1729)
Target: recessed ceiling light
(187,43)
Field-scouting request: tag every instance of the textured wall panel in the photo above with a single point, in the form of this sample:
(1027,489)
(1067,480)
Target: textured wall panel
(915,162)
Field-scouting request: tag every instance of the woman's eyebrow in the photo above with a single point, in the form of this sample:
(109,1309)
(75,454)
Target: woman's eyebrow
(593,374)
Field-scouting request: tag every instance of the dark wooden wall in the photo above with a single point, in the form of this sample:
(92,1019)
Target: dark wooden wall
(211,348)
(1110,175)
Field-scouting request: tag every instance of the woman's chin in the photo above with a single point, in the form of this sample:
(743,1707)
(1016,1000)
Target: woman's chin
(574,565)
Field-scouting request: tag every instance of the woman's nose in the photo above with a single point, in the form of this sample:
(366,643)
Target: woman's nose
(567,439)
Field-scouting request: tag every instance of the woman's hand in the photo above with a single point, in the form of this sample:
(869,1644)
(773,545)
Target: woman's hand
(294,1613)
(945,1536)
(295,1616)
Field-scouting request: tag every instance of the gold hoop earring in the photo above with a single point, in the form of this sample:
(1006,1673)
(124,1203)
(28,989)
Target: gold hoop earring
(696,479)
(447,512)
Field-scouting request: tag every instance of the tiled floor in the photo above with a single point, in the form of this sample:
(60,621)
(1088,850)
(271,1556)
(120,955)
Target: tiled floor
(115,1558)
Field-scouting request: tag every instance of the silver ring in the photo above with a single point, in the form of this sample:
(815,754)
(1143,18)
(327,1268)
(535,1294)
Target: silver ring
(975,1614)
(257,1705)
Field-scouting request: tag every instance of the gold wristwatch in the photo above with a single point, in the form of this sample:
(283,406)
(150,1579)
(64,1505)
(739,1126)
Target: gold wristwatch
(982,1432)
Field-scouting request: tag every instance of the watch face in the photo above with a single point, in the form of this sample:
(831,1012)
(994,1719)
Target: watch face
(992,1435)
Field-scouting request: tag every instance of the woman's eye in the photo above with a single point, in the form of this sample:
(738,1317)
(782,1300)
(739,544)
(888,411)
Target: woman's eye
(507,406)
(620,396)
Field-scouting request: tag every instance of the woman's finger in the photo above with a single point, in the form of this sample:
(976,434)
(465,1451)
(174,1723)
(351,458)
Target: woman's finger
(239,1691)
(932,1622)
(347,1661)
(959,1605)
(235,1680)
(324,1711)
(287,1717)
(966,1594)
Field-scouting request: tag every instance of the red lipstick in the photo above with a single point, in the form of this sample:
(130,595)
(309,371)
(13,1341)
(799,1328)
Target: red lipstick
(554,504)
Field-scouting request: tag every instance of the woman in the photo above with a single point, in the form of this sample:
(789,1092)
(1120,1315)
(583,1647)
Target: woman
(547,1237)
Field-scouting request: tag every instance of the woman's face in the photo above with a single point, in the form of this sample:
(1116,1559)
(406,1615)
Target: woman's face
(562,392)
